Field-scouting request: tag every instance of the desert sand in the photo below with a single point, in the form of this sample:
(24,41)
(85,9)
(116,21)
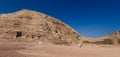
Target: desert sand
(28,26)
(30,49)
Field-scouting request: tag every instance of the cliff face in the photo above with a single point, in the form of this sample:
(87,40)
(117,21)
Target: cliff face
(28,25)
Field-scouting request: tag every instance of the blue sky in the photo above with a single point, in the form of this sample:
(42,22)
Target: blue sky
(91,18)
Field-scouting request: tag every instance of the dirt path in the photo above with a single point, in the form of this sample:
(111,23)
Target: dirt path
(15,49)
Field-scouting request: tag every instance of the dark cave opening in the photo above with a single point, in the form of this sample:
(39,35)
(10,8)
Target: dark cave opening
(18,34)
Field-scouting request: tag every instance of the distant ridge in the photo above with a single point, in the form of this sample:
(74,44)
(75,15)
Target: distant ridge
(113,38)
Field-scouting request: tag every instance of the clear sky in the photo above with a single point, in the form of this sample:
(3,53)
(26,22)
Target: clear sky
(91,18)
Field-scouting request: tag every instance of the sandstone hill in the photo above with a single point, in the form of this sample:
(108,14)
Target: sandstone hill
(113,38)
(28,25)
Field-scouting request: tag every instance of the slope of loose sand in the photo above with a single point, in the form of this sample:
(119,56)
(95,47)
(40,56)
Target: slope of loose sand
(17,49)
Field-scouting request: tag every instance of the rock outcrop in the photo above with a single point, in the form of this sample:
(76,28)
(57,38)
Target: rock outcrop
(28,25)
(113,39)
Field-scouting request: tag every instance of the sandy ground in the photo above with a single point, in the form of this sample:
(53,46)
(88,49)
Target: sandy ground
(17,49)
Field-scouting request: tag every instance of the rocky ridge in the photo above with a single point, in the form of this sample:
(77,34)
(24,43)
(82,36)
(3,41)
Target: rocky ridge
(113,38)
(28,25)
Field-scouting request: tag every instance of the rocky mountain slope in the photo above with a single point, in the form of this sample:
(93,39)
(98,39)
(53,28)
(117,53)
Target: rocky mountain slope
(28,25)
(113,38)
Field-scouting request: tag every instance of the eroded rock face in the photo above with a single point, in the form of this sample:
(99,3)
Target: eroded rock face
(113,39)
(28,25)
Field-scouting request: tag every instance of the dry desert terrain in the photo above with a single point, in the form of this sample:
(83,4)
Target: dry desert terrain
(30,49)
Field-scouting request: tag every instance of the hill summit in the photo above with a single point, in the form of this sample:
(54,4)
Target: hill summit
(28,25)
